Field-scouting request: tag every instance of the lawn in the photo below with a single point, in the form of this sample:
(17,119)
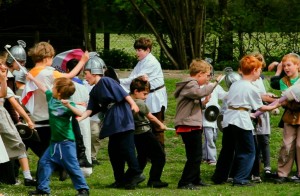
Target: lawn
(103,176)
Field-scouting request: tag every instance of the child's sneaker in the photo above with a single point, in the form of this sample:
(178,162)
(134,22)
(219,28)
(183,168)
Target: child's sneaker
(295,179)
(256,179)
(211,163)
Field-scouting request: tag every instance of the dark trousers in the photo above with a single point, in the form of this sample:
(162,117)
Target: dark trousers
(147,146)
(244,148)
(159,134)
(121,149)
(225,159)
(256,165)
(264,148)
(7,174)
(193,150)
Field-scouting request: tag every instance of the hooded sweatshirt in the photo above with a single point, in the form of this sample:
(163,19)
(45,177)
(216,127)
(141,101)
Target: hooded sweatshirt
(188,95)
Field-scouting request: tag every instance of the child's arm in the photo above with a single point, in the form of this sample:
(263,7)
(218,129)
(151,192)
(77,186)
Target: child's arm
(21,111)
(84,58)
(154,120)
(132,104)
(3,90)
(84,115)
(38,83)
(269,107)
(75,110)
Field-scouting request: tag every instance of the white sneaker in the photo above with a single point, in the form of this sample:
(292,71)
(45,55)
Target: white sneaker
(256,179)
(18,182)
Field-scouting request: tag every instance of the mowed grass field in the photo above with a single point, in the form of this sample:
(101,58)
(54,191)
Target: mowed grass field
(102,174)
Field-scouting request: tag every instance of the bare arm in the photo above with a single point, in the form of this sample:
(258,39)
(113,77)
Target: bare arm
(84,115)
(79,66)
(37,82)
(21,111)
(75,110)
(132,104)
(3,90)
(269,107)
(155,121)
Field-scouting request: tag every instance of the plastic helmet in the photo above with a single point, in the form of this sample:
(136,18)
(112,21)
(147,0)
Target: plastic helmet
(231,76)
(18,52)
(95,64)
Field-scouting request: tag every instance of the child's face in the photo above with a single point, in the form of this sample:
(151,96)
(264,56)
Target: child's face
(15,66)
(203,78)
(3,67)
(290,69)
(256,73)
(140,95)
(90,78)
(54,92)
(141,54)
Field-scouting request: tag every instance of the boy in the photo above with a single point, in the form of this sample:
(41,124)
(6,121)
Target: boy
(146,144)
(109,97)
(149,67)
(238,121)
(62,149)
(188,120)
(291,119)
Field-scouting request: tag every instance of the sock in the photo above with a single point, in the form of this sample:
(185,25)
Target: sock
(27,175)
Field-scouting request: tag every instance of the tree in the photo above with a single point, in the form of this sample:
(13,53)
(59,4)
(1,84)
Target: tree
(183,21)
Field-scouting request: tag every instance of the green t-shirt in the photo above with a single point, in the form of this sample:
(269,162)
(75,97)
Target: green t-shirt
(283,86)
(142,124)
(59,119)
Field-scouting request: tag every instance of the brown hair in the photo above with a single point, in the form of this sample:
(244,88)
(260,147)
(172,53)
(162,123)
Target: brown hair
(260,57)
(293,57)
(65,87)
(248,63)
(140,85)
(41,51)
(198,65)
(143,43)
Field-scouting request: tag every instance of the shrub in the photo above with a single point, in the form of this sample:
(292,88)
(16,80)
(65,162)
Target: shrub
(118,59)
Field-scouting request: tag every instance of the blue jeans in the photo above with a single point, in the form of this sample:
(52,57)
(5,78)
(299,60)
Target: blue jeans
(62,154)
(244,148)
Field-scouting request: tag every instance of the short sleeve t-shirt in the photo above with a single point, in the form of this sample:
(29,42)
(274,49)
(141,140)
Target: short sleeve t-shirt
(142,124)
(60,119)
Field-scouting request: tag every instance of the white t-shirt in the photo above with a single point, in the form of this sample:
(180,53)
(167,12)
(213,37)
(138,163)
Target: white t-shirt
(244,94)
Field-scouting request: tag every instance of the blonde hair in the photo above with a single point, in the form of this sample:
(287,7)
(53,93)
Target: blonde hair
(41,51)
(198,65)
(293,57)
(65,87)
(248,63)
(260,57)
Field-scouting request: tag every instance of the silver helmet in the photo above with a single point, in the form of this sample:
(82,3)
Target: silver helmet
(95,64)
(231,76)
(18,52)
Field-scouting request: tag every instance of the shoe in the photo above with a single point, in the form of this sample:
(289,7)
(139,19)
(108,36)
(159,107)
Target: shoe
(18,182)
(95,162)
(83,162)
(63,175)
(38,192)
(295,179)
(135,181)
(200,183)
(256,179)
(116,185)
(157,184)
(243,184)
(189,187)
(217,181)
(212,163)
(229,180)
(280,180)
(30,182)
(83,192)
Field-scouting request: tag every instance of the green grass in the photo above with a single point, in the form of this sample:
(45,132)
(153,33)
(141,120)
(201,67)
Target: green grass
(103,176)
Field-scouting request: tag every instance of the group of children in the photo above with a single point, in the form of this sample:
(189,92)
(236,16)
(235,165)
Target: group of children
(133,125)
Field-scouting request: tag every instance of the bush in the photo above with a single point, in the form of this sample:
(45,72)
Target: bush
(118,59)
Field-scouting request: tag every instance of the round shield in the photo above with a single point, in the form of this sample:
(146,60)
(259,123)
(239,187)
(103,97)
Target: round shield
(219,122)
(211,113)
(27,133)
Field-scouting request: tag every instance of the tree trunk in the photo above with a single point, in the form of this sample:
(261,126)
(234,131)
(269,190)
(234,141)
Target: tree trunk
(85,25)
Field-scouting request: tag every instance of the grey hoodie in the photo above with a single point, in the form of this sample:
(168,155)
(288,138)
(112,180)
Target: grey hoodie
(188,95)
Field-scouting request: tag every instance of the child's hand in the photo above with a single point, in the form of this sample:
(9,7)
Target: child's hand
(65,102)
(135,108)
(30,124)
(85,57)
(3,76)
(29,76)
(219,78)
(163,127)
(145,77)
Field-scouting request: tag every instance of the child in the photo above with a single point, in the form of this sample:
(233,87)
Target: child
(62,149)
(146,144)
(238,121)
(188,120)
(110,98)
(291,119)
(149,67)
(210,131)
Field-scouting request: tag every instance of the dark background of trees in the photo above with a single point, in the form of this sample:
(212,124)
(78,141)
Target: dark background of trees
(184,29)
